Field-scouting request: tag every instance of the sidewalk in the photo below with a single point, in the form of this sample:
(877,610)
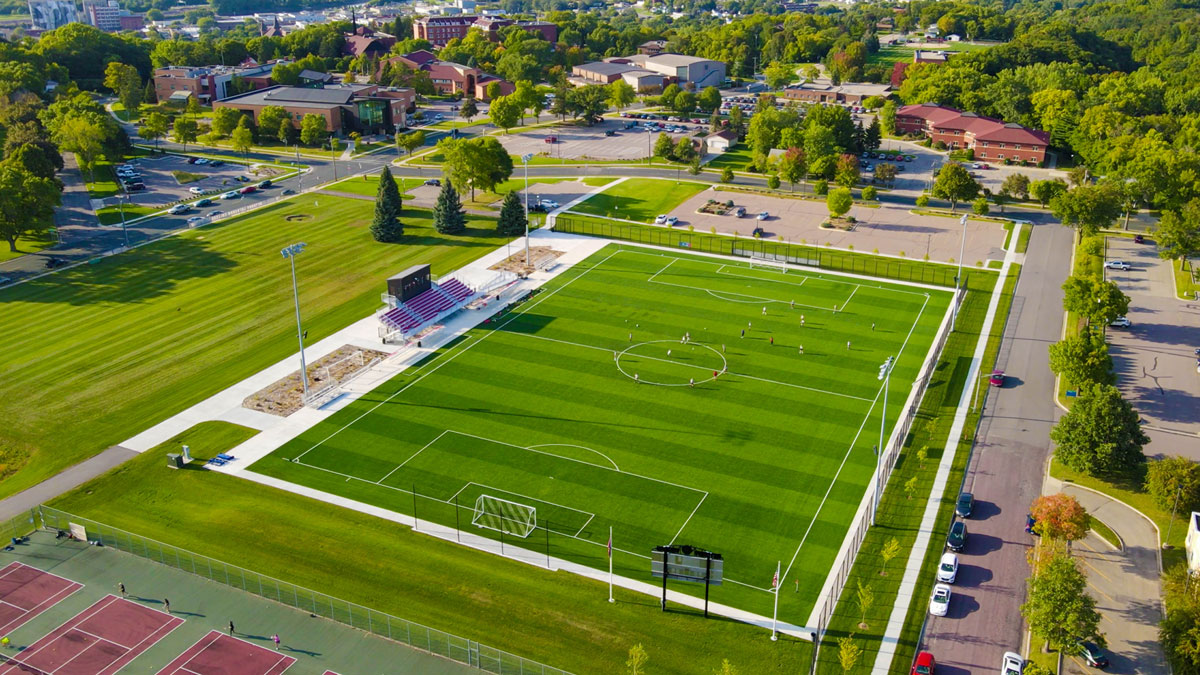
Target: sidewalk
(1126,584)
(317,644)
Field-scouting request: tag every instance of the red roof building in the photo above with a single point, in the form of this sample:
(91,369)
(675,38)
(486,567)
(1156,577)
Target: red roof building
(991,139)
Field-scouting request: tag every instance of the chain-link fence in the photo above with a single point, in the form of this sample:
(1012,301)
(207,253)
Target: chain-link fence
(393,628)
(914,271)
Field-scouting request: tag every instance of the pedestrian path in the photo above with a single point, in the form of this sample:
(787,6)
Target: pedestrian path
(316,644)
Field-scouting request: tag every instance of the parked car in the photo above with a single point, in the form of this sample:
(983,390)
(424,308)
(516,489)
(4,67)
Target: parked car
(671,222)
(739,212)
(957,539)
(658,220)
(232,194)
(213,215)
(1012,664)
(202,202)
(997,378)
(965,505)
(1092,654)
(53,262)
(201,161)
(194,220)
(198,191)
(1121,322)
(548,203)
(265,184)
(432,181)
(1030,521)
(924,664)
(288,191)
(1139,239)
(607,132)
(241,179)
(763,216)
(439,117)
(947,569)
(552,139)
(1117,265)
(192,160)
(178,209)
(135,187)
(939,601)
(216,162)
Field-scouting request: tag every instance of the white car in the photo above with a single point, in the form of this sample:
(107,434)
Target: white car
(232,194)
(939,602)
(201,161)
(1121,322)
(1117,265)
(948,568)
(199,191)
(658,220)
(671,221)
(1013,664)
(178,209)
(762,216)
(196,220)
(548,204)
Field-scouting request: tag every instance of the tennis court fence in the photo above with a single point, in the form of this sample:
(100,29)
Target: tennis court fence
(915,271)
(463,650)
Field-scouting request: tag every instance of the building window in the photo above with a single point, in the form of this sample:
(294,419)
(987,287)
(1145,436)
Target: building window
(1000,156)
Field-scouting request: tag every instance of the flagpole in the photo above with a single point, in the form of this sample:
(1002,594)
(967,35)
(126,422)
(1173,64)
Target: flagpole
(775,615)
(610,597)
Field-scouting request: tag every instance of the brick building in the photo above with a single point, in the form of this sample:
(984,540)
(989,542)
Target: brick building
(365,108)
(452,78)
(441,29)
(210,83)
(824,91)
(991,139)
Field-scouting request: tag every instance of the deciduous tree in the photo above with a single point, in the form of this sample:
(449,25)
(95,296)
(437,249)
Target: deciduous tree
(1046,190)
(779,75)
(890,550)
(126,83)
(980,206)
(504,111)
(637,660)
(663,146)
(1088,208)
(270,119)
(1082,359)
(839,202)
(848,653)
(1100,435)
(83,137)
(242,137)
(1060,516)
(469,109)
(224,121)
(847,171)
(312,129)
(1059,610)
(386,226)
(955,183)
(1015,185)
(1173,478)
(792,166)
(186,131)
(1178,232)
(709,99)
(1096,299)
(620,94)
(27,203)
(154,127)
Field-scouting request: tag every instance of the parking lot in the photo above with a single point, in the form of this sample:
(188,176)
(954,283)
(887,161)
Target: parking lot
(163,186)
(890,229)
(581,142)
(1155,358)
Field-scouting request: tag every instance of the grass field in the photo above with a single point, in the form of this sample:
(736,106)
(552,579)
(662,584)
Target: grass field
(639,199)
(97,353)
(30,244)
(735,159)
(578,403)
(896,53)
(559,619)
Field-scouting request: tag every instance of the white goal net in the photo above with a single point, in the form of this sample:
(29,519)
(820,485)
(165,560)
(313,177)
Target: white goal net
(504,516)
(765,263)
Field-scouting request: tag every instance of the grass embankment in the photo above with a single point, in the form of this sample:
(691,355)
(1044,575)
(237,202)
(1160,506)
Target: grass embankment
(1104,532)
(185,177)
(1187,281)
(640,199)
(100,352)
(557,618)
(899,516)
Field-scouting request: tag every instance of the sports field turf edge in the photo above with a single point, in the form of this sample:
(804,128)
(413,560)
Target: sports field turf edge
(356,464)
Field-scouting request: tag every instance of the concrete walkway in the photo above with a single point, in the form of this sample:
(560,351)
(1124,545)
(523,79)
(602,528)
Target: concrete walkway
(1125,583)
(69,479)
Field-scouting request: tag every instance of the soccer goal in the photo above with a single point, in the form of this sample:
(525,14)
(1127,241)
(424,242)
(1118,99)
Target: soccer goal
(504,516)
(764,263)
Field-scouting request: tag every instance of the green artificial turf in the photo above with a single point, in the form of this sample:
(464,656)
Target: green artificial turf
(639,198)
(94,354)
(556,618)
(764,463)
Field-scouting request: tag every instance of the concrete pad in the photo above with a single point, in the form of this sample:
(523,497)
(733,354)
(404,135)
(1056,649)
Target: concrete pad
(890,229)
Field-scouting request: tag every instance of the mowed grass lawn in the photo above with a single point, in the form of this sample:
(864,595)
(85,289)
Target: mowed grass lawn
(640,199)
(95,354)
(580,403)
(557,618)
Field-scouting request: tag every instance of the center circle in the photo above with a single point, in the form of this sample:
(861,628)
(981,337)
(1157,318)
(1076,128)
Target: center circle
(657,362)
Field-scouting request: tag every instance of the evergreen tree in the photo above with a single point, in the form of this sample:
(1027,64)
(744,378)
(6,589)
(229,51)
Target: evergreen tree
(448,215)
(512,216)
(387,227)
(874,135)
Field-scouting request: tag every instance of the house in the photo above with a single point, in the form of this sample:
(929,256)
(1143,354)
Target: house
(366,108)
(210,83)
(824,91)
(719,142)
(926,56)
(1192,543)
(991,139)
(953,37)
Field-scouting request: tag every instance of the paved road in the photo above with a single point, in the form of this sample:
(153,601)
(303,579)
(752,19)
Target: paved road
(1126,585)
(1005,472)
(1154,360)
(64,481)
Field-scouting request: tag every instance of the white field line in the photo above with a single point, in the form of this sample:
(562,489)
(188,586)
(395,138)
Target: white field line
(410,457)
(847,301)
(689,518)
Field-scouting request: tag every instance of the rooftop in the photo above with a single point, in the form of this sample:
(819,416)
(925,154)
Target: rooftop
(328,97)
(603,68)
(676,60)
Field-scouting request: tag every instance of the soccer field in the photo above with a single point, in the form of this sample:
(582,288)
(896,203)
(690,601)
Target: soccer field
(752,439)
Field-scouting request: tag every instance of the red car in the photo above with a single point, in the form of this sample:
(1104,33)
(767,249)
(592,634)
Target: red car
(552,139)
(247,190)
(997,378)
(924,664)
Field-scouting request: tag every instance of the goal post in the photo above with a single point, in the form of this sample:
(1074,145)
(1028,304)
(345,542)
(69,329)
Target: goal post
(504,516)
(762,262)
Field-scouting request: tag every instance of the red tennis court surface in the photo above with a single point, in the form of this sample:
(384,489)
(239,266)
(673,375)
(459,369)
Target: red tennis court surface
(220,654)
(26,592)
(99,640)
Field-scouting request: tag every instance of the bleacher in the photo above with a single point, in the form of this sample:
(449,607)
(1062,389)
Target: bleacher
(426,307)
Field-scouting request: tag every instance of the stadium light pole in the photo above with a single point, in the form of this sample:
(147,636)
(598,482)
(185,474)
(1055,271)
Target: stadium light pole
(290,252)
(121,203)
(525,160)
(962,249)
(885,374)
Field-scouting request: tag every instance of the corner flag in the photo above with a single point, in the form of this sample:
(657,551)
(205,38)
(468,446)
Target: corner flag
(775,614)
(610,570)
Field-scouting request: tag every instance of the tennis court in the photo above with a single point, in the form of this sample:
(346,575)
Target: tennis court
(26,592)
(102,639)
(218,654)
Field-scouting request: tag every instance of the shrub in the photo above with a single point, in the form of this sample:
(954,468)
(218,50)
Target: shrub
(727,175)
(821,187)
(922,201)
(869,193)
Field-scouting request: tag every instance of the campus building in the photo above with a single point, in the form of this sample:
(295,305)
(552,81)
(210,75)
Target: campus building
(991,139)
(691,72)
(824,91)
(365,108)
(211,83)
(441,29)
(452,78)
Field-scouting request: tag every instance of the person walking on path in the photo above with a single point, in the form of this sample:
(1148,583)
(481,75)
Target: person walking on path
(121,587)
(275,637)
(231,628)
(167,605)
